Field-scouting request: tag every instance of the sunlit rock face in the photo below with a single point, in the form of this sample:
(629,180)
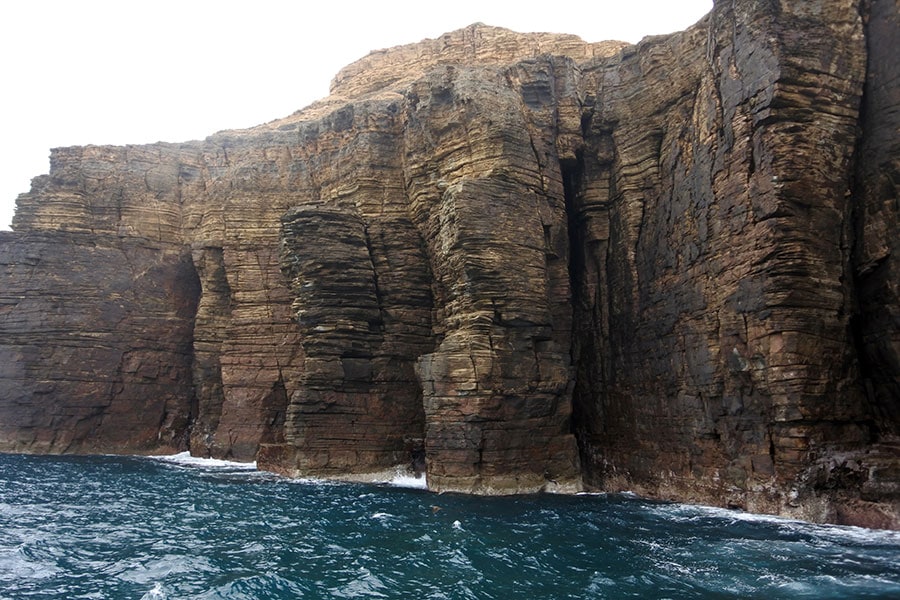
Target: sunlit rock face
(546,264)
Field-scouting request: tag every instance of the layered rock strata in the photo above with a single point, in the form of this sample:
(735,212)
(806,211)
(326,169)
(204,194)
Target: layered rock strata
(544,263)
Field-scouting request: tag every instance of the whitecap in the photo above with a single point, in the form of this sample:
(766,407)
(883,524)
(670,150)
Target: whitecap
(185,459)
(313,481)
(157,593)
(408,481)
(690,510)
(842,532)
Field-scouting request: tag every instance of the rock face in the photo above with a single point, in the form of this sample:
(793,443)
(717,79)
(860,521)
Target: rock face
(543,263)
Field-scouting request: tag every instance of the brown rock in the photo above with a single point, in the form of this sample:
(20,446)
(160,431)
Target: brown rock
(95,358)
(877,211)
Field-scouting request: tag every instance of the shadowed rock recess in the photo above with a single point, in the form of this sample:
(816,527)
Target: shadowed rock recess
(540,263)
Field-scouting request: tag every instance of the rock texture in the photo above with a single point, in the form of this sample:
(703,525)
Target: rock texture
(88,367)
(536,262)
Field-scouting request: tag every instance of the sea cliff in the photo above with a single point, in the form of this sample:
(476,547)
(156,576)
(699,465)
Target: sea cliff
(519,262)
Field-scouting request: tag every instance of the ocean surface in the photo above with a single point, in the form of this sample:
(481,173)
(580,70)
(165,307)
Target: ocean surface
(177,527)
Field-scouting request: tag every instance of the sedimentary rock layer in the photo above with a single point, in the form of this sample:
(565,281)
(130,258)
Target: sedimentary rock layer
(537,262)
(96,344)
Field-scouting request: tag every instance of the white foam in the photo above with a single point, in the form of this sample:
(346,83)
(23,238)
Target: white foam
(157,593)
(700,510)
(404,480)
(185,458)
(859,534)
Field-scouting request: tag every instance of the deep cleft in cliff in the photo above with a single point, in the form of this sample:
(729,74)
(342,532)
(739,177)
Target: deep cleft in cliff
(543,264)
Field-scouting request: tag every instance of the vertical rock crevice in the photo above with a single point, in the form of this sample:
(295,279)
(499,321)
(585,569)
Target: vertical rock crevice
(876,196)
(584,354)
(588,186)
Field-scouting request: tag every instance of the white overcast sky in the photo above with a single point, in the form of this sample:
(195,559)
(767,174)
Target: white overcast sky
(78,72)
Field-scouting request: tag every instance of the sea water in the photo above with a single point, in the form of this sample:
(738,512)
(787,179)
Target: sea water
(154,529)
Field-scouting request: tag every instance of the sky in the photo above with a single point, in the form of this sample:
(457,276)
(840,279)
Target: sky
(78,72)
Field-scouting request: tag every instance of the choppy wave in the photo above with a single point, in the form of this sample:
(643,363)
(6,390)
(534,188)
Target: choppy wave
(404,480)
(398,477)
(837,532)
(186,528)
(185,458)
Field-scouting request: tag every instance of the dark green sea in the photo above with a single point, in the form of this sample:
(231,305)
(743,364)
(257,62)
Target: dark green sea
(144,528)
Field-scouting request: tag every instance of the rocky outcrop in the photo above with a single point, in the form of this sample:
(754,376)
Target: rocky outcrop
(876,251)
(715,260)
(667,267)
(91,367)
